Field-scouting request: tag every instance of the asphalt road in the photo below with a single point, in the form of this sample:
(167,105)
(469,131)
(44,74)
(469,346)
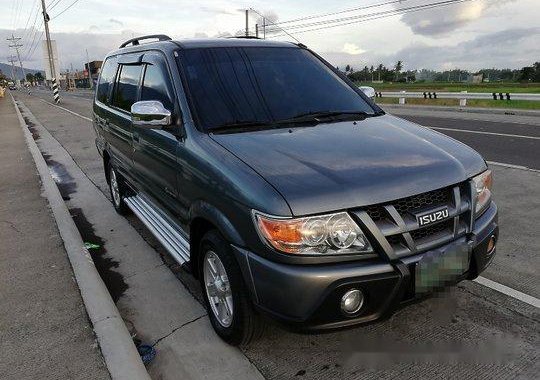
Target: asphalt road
(472,331)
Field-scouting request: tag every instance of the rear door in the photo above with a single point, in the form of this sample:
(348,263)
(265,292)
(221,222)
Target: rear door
(154,150)
(125,93)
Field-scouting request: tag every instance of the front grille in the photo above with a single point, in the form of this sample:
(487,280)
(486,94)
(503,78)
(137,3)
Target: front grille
(398,230)
(434,229)
(431,199)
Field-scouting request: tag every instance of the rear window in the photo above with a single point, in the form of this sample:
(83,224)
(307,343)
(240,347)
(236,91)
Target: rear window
(125,92)
(106,79)
(262,84)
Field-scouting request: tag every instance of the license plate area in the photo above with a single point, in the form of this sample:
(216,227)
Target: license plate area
(440,268)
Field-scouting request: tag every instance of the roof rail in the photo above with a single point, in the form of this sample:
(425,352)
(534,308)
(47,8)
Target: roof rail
(246,37)
(135,41)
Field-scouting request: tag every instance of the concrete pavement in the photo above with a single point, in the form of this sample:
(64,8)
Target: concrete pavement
(44,329)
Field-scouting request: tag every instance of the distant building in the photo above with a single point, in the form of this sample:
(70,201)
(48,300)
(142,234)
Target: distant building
(94,68)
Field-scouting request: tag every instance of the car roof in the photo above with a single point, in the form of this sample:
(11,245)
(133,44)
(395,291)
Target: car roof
(194,43)
(230,42)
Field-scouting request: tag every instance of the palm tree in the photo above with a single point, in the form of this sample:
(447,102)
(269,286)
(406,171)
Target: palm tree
(397,69)
(379,70)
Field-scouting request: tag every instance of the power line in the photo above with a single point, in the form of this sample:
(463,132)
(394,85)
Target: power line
(372,16)
(65,9)
(340,12)
(390,11)
(53,4)
(287,33)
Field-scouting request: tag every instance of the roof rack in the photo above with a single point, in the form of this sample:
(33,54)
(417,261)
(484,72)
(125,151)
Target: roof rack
(135,41)
(246,37)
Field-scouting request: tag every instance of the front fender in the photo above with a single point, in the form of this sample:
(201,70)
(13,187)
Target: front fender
(205,210)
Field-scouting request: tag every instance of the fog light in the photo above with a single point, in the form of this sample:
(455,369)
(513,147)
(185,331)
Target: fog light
(491,244)
(352,301)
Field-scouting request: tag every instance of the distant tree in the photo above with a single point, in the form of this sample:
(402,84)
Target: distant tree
(38,77)
(30,77)
(347,68)
(371,71)
(379,70)
(397,69)
(527,73)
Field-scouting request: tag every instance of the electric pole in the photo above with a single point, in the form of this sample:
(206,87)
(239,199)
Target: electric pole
(257,30)
(247,22)
(50,53)
(12,60)
(16,45)
(89,73)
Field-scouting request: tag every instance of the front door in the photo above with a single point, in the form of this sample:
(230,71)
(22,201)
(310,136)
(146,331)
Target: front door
(154,150)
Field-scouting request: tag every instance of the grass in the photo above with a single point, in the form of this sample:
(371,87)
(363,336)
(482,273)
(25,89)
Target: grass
(510,104)
(453,86)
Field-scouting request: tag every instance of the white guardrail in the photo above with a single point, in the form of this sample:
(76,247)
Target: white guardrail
(462,96)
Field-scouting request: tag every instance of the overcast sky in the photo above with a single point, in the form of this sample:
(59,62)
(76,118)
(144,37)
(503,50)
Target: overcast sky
(470,35)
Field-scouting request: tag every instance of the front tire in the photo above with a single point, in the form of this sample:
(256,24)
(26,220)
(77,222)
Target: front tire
(226,297)
(118,191)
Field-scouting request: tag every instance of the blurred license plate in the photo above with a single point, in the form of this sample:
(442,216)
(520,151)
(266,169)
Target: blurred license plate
(439,268)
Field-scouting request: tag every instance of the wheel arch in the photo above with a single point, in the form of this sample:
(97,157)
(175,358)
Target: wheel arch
(203,218)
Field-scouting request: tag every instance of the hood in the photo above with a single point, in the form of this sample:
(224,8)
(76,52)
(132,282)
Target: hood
(344,165)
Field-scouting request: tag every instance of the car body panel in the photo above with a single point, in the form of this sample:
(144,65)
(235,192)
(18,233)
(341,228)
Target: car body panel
(349,164)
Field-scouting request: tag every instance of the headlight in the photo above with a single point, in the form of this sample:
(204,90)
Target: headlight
(482,188)
(316,235)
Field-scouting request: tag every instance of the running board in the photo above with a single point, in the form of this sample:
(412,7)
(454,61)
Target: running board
(161,227)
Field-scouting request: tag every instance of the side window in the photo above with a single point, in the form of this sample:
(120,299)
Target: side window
(156,86)
(125,92)
(106,79)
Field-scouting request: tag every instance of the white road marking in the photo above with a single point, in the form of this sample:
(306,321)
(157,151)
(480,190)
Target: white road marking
(486,133)
(65,109)
(512,166)
(533,301)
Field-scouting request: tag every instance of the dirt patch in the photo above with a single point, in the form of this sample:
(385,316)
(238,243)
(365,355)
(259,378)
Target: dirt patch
(105,265)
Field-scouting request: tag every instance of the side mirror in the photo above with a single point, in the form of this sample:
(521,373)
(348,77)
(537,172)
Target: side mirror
(369,91)
(150,114)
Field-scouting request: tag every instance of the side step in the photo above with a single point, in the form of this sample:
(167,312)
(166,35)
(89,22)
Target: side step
(161,227)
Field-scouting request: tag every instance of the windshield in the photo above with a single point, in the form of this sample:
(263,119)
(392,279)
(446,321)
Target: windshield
(252,85)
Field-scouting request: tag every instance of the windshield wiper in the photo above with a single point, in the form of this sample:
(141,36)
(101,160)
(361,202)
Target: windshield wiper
(241,125)
(321,115)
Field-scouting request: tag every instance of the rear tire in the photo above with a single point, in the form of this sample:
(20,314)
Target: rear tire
(118,191)
(224,290)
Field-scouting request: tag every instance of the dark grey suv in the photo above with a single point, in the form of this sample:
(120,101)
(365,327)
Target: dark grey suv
(288,192)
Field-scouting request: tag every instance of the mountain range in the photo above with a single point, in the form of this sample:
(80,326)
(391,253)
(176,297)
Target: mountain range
(6,70)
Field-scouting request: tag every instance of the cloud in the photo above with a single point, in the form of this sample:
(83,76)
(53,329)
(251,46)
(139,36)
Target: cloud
(512,48)
(443,20)
(220,11)
(352,49)
(115,21)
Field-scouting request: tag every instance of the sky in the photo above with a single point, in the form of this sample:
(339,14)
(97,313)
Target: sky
(468,35)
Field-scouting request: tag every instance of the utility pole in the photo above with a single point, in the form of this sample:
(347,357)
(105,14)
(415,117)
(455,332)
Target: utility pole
(257,30)
(89,73)
(50,51)
(16,45)
(264,28)
(12,60)
(247,22)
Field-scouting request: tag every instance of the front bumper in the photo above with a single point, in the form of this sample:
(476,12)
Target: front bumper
(308,296)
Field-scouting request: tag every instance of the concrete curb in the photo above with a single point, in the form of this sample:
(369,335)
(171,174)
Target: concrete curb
(119,352)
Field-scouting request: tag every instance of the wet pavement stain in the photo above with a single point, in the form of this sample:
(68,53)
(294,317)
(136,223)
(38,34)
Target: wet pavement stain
(32,128)
(64,181)
(113,280)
